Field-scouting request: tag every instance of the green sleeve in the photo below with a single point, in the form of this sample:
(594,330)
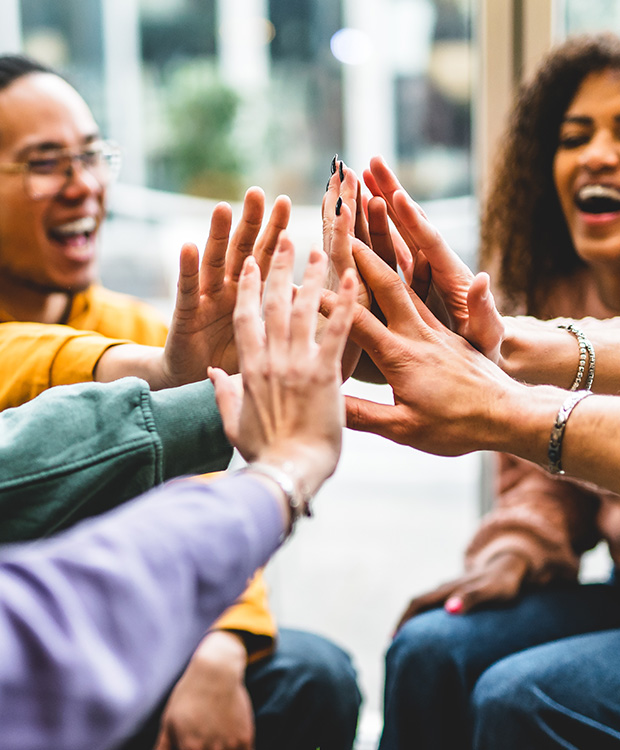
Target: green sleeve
(76,451)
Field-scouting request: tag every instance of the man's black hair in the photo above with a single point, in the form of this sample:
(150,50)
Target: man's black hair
(13,67)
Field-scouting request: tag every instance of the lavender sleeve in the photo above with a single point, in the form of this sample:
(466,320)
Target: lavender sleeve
(96,623)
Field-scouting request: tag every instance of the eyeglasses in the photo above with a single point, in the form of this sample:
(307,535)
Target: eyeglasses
(47,172)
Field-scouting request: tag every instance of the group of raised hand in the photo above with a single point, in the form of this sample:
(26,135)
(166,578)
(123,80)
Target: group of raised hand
(408,282)
(420,321)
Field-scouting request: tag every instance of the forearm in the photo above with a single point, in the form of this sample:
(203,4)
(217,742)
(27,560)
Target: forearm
(145,362)
(536,352)
(102,599)
(522,421)
(142,438)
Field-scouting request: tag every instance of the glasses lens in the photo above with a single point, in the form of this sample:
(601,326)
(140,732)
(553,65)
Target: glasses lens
(47,175)
(44,184)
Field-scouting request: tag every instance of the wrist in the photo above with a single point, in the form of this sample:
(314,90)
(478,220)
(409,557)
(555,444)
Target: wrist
(307,468)
(222,650)
(523,420)
(285,479)
(538,352)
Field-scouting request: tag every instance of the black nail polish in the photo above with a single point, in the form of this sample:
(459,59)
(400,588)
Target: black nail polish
(341,171)
(333,164)
(338,204)
(327,186)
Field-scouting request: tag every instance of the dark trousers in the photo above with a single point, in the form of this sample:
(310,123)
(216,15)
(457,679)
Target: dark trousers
(538,674)
(304,696)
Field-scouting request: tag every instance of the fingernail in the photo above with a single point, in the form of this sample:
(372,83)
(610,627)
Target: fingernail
(327,186)
(338,205)
(333,164)
(454,605)
(341,171)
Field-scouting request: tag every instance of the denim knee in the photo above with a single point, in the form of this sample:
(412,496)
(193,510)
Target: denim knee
(426,694)
(504,706)
(305,695)
(427,650)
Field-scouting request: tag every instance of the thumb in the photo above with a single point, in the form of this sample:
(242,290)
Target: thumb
(368,416)
(485,328)
(228,399)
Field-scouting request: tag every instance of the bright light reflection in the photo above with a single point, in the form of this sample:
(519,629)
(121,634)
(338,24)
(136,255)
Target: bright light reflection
(351,46)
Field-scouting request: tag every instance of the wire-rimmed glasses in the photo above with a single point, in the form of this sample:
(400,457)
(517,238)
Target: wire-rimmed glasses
(47,171)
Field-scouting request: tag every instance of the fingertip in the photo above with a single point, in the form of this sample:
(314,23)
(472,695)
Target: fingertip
(454,605)
(255,190)
(283,200)
(249,265)
(316,255)
(285,244)
(188,258)
(377,161)
(349,279)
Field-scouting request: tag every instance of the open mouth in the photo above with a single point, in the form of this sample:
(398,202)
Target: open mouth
(598,199)
(74,233)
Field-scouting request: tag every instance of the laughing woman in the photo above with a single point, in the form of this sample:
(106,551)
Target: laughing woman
(516,653)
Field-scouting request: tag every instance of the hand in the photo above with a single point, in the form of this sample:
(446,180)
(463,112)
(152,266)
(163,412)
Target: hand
(209,708)
(291,410)
(448,398)
(467,299)
(344,227)
(201,333)
(500,580)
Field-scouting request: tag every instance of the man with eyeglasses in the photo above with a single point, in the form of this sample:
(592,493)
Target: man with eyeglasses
(57,326)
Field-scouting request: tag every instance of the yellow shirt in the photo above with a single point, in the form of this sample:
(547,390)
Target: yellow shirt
(37,356)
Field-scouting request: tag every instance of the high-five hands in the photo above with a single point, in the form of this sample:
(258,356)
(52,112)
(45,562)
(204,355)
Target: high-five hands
(291,410)
(467,299)
(201,332)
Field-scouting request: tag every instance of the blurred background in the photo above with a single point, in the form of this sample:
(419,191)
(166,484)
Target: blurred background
(208,97)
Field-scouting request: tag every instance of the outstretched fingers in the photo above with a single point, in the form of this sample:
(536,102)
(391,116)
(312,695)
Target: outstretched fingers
(244,236)
(228,397)
(188,285)
(249,331)
(267,242)
(380,235)
(305,306)
(485,328)
(339,324)
(213,266)
(394,298)
(277,301)
(444,261)
(382,182)
(369,416)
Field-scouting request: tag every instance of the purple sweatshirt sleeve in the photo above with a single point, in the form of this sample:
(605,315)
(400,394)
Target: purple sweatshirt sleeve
(96,623)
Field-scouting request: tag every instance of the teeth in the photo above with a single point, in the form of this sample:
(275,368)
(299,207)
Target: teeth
(598,191)
(79,226)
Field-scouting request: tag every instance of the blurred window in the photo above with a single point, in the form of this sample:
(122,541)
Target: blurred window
(233,92)
(580,16)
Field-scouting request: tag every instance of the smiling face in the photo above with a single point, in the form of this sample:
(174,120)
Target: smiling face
(586,169)
(46,245)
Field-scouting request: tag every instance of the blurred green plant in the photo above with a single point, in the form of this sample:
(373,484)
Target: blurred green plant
(202,156)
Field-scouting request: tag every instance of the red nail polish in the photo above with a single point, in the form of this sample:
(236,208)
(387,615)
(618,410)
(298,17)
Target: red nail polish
(454,605)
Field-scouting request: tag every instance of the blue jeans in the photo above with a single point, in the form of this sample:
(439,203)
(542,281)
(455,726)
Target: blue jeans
(539,673)
(304,696)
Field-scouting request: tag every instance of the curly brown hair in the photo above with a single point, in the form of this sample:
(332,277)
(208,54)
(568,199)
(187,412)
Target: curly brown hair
(524,236)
